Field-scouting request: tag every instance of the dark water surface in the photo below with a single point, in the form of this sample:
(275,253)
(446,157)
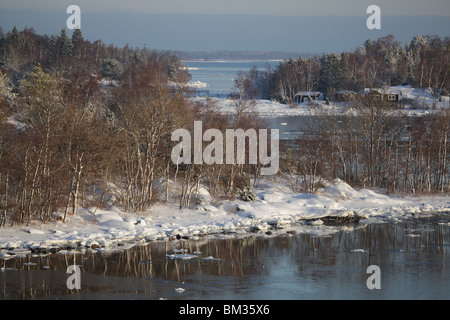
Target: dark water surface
(413,257)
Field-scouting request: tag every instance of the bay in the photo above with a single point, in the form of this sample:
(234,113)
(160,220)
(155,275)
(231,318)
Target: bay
(219,74)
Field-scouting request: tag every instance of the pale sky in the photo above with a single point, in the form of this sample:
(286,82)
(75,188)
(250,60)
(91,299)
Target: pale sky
(264,25)
(257,7)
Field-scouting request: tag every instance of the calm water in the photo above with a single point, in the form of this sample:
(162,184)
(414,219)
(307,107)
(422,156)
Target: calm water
(413,257)
(290,127)
(219,75)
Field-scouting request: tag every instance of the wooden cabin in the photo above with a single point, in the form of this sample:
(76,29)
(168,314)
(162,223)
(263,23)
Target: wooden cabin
(305,96)
(392,96)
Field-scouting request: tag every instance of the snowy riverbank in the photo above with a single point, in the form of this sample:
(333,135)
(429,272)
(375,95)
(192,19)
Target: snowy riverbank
(276,211)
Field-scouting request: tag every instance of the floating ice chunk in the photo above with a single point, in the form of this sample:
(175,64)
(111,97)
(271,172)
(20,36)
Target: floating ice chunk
(8,269)
(412,235)
(181,256)
(179,290)
(210,258)
(179,250)
(359,250)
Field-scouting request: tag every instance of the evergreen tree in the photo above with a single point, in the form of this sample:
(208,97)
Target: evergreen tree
(331,73)
(64,44)
(11,48)
(77,39)
(77,36)
(111,69)
(52,49)
(13,38)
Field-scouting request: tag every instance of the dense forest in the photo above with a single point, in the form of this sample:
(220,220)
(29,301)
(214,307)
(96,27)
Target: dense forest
(86,124)
(424,63)
(66,56)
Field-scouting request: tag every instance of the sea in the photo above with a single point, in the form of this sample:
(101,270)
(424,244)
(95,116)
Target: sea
(411,256)
(217,76)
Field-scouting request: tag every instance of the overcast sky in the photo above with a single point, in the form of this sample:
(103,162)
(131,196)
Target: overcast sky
(298,25)
(257,7)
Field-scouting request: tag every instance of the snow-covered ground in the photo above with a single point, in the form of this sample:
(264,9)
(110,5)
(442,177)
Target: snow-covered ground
(190,84)
(276,211)
(423,100)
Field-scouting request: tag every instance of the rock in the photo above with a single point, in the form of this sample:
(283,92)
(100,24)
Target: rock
(292,232)
(269,233)
(333,220)
(228,232)
(38,250)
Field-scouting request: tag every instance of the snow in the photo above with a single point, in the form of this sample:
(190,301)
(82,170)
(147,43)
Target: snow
(424,101)
(262,107)
(190,84)
(277,209)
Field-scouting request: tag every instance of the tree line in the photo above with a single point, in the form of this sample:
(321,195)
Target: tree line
(423,63)
(66,55)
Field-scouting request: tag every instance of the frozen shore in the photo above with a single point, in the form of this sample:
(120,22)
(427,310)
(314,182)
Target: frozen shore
(277,211)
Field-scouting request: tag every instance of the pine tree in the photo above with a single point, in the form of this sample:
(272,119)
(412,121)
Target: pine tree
(111,69)
(52,49)
(77,36)
(77,39)
(11,49)
(13,38)
(64,44)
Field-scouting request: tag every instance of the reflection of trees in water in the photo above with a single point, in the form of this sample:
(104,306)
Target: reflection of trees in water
(316,258)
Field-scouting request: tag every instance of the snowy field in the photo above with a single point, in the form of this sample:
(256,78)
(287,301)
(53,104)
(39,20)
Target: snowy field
(276,211)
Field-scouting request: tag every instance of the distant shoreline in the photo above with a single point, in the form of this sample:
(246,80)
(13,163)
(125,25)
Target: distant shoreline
(239,55)
(230,60)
